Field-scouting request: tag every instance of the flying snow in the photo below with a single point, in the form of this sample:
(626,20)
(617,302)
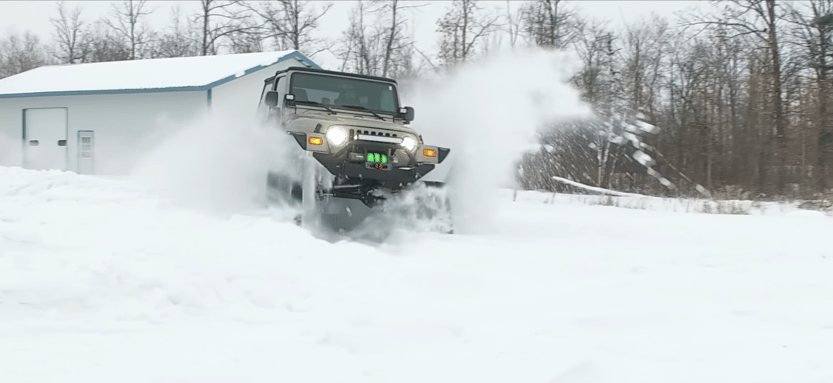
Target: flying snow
(488,112)
(216,163)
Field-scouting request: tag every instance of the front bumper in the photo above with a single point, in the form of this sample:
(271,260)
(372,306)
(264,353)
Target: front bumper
(398,173)
(395,177)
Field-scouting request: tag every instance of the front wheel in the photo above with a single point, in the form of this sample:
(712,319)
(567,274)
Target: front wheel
(282,190)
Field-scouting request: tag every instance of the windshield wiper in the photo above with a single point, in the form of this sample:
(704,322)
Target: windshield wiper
(362,108)
(316,103)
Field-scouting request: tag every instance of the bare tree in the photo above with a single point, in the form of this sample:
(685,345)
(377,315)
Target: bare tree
(362,46)
(127,21)
(760,18)
(397,54)
(376,43)
(813,33)
(603,87)
(105,44)
(177,40)
(290,24)
(513,23)
(19,53)
(247,38)
(221,19)
(548,23)
(461,29)
(70,36)
(645,44)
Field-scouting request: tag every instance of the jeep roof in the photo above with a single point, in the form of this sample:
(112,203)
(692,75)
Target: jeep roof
(324,71)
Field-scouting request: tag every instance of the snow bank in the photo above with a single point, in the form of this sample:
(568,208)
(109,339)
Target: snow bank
(105,281)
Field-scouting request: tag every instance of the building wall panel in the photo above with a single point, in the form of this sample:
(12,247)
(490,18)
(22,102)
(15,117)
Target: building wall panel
(241,96)
(126,125)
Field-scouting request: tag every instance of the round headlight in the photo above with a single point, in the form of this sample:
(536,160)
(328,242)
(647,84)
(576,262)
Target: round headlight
(409,143)
(337,135)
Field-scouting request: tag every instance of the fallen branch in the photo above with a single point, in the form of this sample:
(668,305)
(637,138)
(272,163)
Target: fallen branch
(598,190)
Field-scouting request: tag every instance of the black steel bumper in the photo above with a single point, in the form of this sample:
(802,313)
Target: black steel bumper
(393,178)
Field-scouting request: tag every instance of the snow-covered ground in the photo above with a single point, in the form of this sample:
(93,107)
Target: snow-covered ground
(104,281)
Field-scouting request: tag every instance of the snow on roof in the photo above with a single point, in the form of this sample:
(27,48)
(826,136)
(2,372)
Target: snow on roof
(185,73)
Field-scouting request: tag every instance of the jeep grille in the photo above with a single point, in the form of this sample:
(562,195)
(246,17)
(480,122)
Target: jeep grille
(373,132)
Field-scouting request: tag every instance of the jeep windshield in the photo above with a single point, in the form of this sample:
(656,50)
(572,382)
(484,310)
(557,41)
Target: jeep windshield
(343,92)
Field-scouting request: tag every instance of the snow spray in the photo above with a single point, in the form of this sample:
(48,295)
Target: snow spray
(215,162)
(488,112)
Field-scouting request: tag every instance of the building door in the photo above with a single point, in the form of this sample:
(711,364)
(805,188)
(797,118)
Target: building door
(45,138)
(86,152)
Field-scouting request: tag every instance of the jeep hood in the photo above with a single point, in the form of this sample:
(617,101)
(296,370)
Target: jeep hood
(313,117)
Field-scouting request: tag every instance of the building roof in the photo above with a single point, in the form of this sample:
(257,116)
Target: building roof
(136,76)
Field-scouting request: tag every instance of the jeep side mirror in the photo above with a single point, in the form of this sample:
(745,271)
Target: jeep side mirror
(271,98)
(407,113)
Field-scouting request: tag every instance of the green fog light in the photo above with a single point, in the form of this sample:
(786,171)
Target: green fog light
(376,157)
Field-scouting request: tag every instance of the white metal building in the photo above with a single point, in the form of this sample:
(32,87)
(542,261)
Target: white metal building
(85,117)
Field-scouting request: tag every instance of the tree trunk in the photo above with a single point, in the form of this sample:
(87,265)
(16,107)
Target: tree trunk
(132,32)
(205,19)
(390,39)
(823,99)
(465,5)
(296,33)
(780,149)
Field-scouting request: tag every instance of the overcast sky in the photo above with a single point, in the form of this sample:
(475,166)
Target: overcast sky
(35,15)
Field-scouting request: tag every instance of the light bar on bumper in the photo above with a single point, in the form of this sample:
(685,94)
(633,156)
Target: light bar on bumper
(388,140)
